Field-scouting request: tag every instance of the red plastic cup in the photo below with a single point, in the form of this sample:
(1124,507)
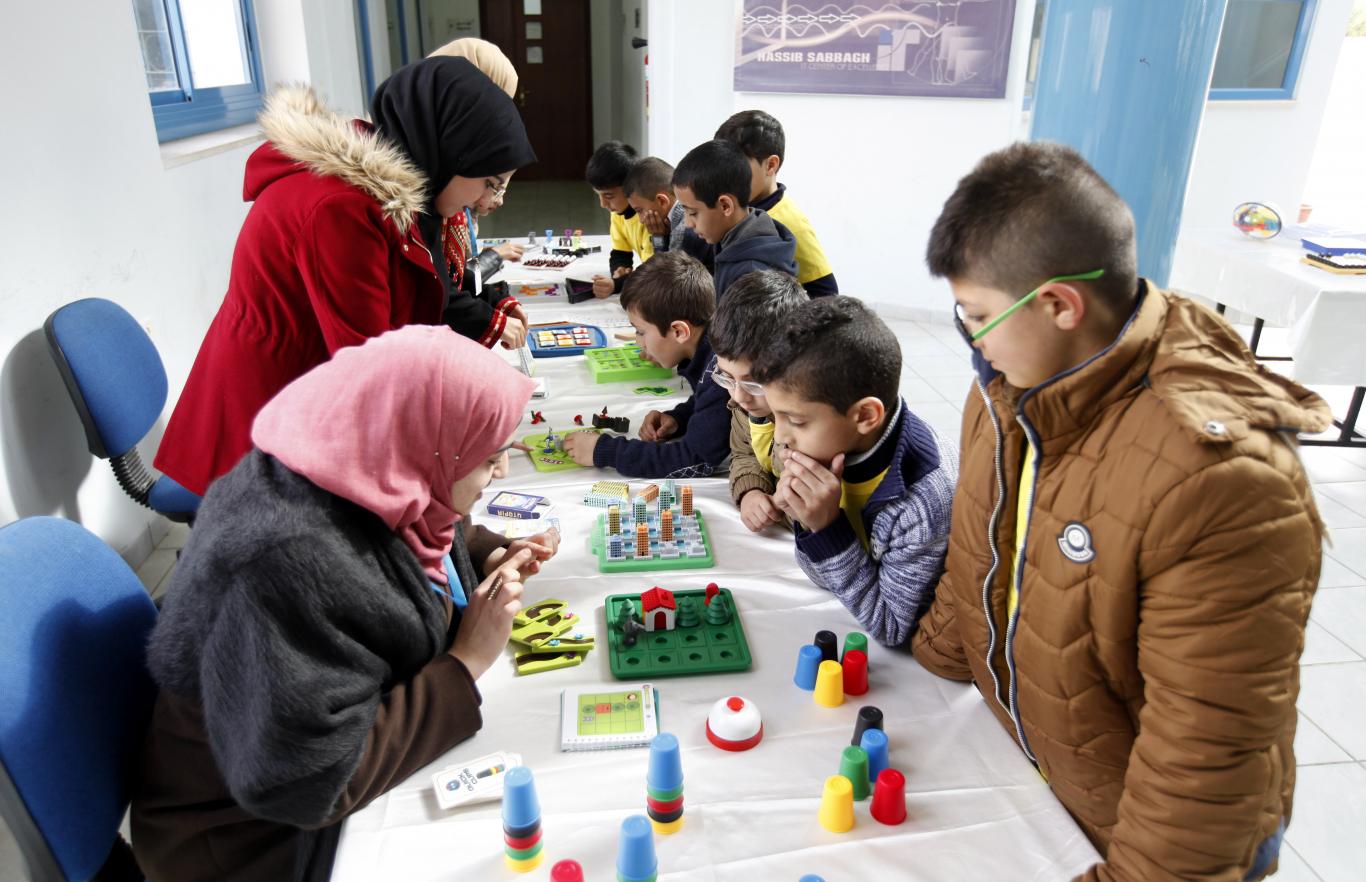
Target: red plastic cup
(855,672)
(889,798)
(566,871)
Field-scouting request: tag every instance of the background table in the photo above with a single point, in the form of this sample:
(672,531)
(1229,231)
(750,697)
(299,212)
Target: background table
(1325,312)
(977,808)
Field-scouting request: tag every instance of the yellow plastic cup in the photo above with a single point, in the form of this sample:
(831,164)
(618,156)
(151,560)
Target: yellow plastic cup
(829,684)
(837,805)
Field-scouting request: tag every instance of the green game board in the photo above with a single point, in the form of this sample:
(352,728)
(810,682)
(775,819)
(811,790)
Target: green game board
(558,462)
(611,713)
(597,542)
(622,364)
(680,652)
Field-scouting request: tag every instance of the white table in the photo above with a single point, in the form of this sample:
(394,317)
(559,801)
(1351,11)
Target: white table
(977,809)
(1325,312)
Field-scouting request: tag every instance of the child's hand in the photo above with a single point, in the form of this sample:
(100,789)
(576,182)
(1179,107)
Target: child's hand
(542,547)
(758,511)
(809,492)
(603,287)
(485,625)
(510,251)
(658,426)
(655,223)
(580,446)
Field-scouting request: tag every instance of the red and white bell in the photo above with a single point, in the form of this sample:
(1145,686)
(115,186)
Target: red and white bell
(734,724)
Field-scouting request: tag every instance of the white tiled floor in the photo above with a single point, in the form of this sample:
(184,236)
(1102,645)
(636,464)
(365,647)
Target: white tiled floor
(1325,841)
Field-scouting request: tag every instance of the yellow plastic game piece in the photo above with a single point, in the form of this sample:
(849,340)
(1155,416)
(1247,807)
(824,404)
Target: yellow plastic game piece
(666,829)
(547,610)
(829,684)
(614,519)
(527,865)
(837,805)
(536,634)
(540,662)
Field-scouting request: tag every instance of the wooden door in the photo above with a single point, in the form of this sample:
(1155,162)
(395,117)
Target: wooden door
(551,53)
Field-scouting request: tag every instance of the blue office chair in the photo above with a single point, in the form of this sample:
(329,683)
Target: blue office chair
(118,384)
(75,695)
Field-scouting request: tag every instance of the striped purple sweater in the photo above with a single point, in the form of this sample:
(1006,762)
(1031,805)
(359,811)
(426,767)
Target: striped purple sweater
(889,586)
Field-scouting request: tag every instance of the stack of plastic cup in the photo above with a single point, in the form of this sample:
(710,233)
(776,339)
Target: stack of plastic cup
(855,672)
(889,798)
(854,766)
(636,861)
(808,662)
(664,784)
(829,684)
(566,871)
(874,743)
(521,821)
(837,805)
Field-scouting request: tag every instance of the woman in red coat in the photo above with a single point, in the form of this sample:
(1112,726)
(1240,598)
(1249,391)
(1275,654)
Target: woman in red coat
(348,237)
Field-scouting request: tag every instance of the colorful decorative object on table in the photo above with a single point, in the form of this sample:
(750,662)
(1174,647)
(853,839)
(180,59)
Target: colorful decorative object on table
(1258,220)
(522,845)
(622,364)
(664,784)
(634,540)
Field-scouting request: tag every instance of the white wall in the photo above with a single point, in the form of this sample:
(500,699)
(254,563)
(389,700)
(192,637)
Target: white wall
(92,210)
(1261,150)
(872,173)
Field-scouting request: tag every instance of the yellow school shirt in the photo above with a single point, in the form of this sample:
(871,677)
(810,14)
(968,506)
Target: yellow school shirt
(629,234)
(811,261)
(761,440)
(1021,519)
(853,497)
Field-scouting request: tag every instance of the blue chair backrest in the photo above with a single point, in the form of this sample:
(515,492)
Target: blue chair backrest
(112,370)
(75,695)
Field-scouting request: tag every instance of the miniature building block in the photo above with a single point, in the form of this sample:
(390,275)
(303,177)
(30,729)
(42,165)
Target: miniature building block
(622,364)
(604,494)
(642,540)
(614,519)
(666,526)
(683,651)
(658,609)
(691,548)
(556,341)
(685,499)
(650,493)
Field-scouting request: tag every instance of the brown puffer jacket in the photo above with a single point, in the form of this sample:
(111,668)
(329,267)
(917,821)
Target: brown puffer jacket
(1172,552)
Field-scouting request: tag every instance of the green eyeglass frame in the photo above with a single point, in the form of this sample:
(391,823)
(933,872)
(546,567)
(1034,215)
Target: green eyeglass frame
(973,337)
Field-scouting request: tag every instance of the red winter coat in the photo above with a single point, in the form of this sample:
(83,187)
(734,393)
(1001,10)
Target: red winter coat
(328,256)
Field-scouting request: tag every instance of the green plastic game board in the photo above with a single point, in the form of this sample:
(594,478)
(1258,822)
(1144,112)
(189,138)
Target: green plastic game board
(557,462)
(597,541)
(622,364)
(679,652)
(611,713)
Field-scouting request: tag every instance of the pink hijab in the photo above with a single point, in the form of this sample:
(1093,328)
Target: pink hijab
(393,423)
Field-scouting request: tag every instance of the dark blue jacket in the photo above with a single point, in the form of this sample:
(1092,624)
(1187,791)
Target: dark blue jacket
(757,242)
(703,420)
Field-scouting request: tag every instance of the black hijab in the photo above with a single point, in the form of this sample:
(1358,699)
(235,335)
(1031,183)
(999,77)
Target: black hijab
(451,120)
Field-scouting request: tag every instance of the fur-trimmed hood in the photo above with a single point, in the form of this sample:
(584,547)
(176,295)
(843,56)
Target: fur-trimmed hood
(304,132)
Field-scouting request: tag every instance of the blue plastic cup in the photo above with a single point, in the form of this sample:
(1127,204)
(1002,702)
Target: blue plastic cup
(874,743)
(808,663)
(810,878)
(636,861)
(666,763)
(521,808)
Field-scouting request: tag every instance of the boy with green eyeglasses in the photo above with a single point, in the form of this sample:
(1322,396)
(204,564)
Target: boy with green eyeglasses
(1134,545)
(757,307)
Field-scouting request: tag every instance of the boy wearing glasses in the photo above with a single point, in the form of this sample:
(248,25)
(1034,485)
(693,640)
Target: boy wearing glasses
(867,483)
(1134,544)
(757,306)
(670,303)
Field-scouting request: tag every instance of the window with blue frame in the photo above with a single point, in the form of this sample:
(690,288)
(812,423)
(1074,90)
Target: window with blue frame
(1261,48)
(203,64)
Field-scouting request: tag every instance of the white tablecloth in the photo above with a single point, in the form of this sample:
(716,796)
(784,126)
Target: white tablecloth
(977,809)
(1326,312)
